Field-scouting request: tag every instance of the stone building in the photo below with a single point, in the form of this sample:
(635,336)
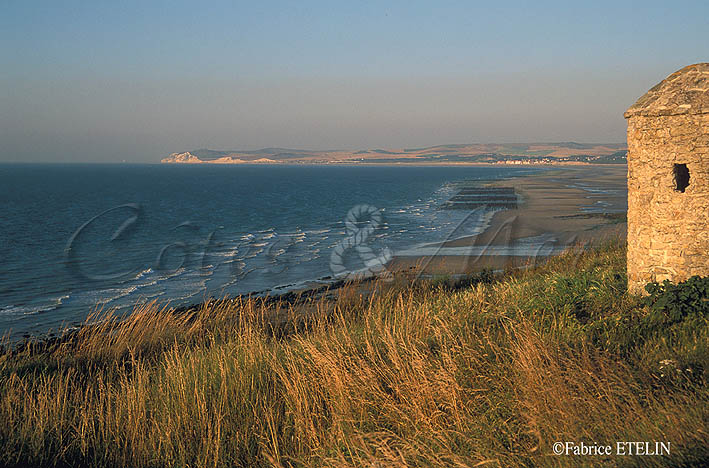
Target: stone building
(668,180)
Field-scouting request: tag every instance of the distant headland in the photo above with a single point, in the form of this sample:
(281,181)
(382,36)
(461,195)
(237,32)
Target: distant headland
(489,153)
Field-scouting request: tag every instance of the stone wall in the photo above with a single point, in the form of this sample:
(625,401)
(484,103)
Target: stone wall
(668,231)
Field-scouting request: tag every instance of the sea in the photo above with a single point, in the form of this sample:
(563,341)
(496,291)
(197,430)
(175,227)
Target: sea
(78,238)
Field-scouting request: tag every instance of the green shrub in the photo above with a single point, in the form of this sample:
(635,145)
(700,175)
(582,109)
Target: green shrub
(673,303)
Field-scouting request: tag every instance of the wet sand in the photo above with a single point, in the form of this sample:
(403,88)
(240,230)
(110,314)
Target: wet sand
(559,208)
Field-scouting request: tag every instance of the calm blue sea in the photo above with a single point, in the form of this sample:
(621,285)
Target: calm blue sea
(77,237)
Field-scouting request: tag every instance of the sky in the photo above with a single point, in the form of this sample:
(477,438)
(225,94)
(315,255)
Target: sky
(131,81)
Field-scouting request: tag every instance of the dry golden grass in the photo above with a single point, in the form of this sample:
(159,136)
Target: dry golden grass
(485,374)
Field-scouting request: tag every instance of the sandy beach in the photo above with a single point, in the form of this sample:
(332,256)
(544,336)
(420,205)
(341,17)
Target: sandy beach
(557,209)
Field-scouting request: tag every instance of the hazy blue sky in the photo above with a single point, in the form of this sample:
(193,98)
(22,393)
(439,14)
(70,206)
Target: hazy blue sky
(102,81)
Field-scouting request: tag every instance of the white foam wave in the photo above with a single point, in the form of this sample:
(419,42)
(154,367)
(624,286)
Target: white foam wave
(18,311)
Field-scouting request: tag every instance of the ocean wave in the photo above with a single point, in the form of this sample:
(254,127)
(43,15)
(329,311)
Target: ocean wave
(276,252)
(18,311)
(104,296)
(253,254)
(143,273)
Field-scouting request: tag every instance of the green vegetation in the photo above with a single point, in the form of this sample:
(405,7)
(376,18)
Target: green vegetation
(486,372)
(672,303)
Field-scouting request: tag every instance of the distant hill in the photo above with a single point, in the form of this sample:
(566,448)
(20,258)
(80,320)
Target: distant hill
(489,153)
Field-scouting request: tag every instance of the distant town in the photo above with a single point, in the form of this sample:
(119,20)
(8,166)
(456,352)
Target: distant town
(491,153)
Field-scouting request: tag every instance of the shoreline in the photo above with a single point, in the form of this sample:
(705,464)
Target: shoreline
(462,256)
(558,208)
(568,224)
(392,164)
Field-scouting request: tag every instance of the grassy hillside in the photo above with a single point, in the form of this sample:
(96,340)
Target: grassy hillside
(485,372)
(602,153)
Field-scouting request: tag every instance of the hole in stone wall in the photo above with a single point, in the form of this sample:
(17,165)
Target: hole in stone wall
(681,173)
